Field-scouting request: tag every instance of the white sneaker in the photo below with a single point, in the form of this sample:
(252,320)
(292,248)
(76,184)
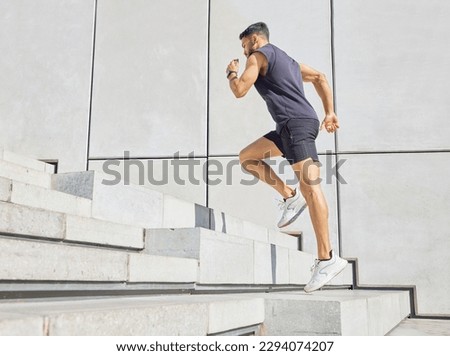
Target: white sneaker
(292,208)
(325,271)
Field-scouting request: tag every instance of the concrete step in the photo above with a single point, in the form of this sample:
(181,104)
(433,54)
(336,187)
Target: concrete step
(5,189)
(50,200)
(49,261)
(23,174)
(25,161)
(12,324)
(335,312)
(38,223)
(349,313)
(228,259)
(132,316)
(94,231)
(132,205)
(421,327)
(25,221)
(143,207)
(10,290)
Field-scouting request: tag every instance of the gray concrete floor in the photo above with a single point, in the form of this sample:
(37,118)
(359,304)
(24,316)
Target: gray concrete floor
(422,327)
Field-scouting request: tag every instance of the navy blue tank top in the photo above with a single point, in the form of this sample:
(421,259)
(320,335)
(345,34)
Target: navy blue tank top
(282,87)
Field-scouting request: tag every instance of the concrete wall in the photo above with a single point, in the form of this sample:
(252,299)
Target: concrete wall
(154,85)
(45,71)
(395,139)
(150,78)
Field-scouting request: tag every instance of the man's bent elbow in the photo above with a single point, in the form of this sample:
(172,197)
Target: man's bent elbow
(240,91)
(239,94)
(320,78)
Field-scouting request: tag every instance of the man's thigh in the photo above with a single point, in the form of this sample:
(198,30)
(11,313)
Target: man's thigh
(262,148)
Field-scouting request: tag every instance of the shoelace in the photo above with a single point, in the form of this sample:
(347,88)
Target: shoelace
(281,204)
(315,265)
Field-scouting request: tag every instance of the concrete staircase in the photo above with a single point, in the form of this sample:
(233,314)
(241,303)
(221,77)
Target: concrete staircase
(79,257)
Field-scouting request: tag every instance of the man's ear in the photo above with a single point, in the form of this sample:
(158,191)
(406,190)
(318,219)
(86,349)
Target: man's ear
(254,39)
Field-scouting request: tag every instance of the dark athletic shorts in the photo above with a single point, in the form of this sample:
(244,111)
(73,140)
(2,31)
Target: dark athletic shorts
(296,139)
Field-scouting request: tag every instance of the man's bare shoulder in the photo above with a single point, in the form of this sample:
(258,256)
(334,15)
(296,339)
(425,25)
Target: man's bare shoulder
(258,59)
(259,56)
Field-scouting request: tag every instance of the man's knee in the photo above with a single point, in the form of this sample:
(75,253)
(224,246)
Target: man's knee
(242,156)
(310,189)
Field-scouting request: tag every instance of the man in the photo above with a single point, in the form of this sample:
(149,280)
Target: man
(279,80)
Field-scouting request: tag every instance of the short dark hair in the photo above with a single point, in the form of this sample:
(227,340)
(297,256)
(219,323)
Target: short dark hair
(259,28)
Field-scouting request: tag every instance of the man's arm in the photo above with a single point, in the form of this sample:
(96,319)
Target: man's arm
(323,89)
(241,85)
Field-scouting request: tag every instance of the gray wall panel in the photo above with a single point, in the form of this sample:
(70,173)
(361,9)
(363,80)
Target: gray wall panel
(184,179)
(395,220)
(150,78)
(237,194)
(45,74)
(392,74)
(301,28)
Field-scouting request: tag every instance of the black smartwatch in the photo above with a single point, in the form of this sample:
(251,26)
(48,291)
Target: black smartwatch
(231,71)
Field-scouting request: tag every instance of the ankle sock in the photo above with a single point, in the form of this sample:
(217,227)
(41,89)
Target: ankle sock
(326,259)
(293,194)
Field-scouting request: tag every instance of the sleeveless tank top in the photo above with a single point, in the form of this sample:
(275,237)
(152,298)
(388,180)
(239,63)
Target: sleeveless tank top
(282,87)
